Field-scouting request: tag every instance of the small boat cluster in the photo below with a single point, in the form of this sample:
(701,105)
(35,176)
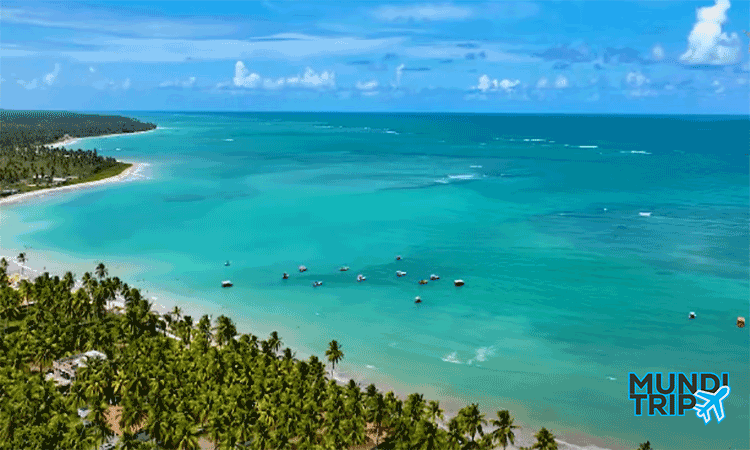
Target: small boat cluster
(360,277)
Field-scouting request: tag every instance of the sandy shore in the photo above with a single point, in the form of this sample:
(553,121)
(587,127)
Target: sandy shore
(131,173)
(71,141)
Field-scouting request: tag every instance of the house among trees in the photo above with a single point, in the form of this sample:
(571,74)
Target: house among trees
(64,370)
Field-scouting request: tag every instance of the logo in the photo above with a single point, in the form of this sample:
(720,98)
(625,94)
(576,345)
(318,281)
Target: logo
(702,392)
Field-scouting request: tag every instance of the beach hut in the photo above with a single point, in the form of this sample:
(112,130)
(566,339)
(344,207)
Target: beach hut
(458,282)
(740,322)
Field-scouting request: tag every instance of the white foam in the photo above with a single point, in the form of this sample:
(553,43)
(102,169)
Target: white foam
(467,176)
(636,152)
(475,167)
(442,181)
(482,354)
(588,146)
(391,132)
(370,367)
(644,214)
(229,140)
(611,378)
(452,358)
(538,140)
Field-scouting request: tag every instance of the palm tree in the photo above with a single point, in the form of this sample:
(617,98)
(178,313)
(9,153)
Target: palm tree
(177,312)
(4,265)
(334,354)
(504,427)
(544,441)
(274,342)
(21,258)
(101,271)
(471,421)
(225,330)
(434,412)
(645,446)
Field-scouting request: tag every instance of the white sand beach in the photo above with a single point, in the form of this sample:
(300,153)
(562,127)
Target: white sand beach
(75,140)
(131,173)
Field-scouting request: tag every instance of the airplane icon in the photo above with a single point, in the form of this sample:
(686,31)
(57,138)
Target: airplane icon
(713,402)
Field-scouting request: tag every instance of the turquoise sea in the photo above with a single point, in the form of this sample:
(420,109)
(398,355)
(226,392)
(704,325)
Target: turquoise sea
(569,287)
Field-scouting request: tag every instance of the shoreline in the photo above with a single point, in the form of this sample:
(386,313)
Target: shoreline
(74,140)
(524,434)
(130,173)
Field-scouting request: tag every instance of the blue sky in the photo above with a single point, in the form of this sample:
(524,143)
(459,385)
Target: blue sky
(498,56)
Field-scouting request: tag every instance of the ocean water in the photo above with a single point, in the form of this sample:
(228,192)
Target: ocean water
(570,284)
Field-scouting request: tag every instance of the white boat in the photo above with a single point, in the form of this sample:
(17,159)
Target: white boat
(344,268)
(417,300)
(285,276)
(361,277)
(400,273)
(691,315)
(458,282)
(302,268)
(226,283)
(434,277)
(317,283)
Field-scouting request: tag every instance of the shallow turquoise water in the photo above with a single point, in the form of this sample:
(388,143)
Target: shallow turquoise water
(568,288)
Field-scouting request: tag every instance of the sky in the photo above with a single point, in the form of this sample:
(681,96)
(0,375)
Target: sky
(551,56)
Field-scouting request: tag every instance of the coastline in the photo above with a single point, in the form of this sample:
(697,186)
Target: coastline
(130,173)
(524,434)
(75,140)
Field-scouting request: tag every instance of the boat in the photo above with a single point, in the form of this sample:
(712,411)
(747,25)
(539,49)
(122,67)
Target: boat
(226,263)
(361,277)
(417,300)
(226,283)
(691,315)
(423,281)
(317,283)
(400,273)
(285,276)
(398,258)
(458,282)
(434,277)
(344,268)
(302,268)
(740,322)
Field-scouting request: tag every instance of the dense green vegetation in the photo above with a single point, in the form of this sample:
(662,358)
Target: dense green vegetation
(26,164)
(169,382)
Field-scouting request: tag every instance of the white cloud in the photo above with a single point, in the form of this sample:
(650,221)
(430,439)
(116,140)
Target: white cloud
(126,83)
(91,69)
(190,82)
(707,44)
(542,83)
(636,79)
(399,71)
(485,84)
(367,86)
(561,82)
(52,76)
(243,77)
(310,79)
(28,84)
(657,52)
(422,12)
(719,87)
